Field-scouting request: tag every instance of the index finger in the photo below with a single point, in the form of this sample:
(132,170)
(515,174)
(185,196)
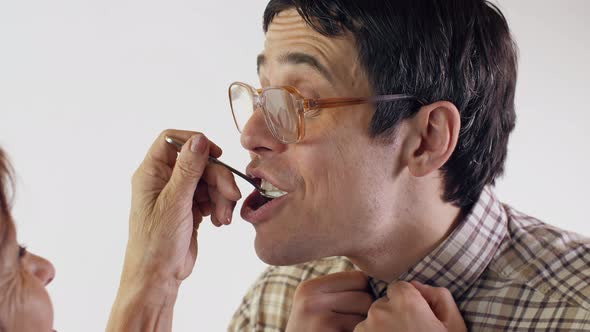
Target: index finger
(163,151)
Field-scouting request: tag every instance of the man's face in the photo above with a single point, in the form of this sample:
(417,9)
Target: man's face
(335,175)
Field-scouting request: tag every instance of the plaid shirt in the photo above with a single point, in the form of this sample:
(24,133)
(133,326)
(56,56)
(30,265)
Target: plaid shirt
(507,272)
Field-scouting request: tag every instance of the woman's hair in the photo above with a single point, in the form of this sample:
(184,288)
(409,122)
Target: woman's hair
(6,189)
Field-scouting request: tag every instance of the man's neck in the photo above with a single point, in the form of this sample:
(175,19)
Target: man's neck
(399,248)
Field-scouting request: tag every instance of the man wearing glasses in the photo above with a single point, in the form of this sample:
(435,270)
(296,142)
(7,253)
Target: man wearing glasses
(385,125)
(380,127)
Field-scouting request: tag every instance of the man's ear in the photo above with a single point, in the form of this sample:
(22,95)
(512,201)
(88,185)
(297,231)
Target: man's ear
(432,137)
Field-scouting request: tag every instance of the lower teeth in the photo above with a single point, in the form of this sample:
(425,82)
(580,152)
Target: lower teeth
(274,194)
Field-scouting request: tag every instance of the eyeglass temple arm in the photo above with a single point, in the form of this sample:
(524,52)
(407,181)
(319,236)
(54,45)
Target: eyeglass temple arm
(314,104)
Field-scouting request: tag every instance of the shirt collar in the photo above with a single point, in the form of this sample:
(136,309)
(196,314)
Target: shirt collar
(461,258)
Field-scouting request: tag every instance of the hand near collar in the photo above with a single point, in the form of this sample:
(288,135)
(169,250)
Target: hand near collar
(413,307)
(335,302)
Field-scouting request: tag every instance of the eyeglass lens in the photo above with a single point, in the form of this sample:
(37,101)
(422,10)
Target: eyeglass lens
(280,108)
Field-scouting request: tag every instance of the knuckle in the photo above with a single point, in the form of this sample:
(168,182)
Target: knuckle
(212,175)
(304,290)
(151,170)
(405,286)
(399,289)
(376,315)
(173,132)
(188,170)
(309,305)
(443,293)
(307,287)
(404,296)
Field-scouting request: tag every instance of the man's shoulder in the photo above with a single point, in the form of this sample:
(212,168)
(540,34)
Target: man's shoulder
(545,257)
(498,303)
(539,270)
(539,279)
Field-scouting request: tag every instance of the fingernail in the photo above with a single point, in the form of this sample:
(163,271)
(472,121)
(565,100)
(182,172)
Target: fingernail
(199,144)
(228,216)
(238,193)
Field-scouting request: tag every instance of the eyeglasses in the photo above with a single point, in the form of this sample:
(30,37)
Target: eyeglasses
(285,109)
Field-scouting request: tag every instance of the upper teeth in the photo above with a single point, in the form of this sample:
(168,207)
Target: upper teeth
(271,190)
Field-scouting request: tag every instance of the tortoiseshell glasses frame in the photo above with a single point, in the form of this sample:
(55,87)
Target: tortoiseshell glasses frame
(285,108)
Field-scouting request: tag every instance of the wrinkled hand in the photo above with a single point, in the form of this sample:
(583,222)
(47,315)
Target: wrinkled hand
(336,302)
(413,307)
(172,192)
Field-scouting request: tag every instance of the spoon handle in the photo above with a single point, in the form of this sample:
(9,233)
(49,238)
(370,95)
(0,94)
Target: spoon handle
(179,145)
(235,171)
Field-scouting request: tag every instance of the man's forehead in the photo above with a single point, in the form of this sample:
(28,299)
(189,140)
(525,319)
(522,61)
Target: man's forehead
(289,17)
(289,33)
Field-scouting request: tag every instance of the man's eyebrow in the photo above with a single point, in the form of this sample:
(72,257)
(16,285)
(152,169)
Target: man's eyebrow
(298,58)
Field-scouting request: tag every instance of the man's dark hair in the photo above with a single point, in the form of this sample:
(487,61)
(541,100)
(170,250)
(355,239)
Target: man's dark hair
(455,50)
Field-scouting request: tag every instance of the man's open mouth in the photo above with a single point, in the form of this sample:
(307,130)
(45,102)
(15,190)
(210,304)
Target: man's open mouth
(257,200)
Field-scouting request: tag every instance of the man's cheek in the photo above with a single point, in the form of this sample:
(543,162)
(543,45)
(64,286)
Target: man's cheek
(321,183)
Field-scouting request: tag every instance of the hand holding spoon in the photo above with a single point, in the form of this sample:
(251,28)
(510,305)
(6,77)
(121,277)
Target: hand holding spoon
(268,194)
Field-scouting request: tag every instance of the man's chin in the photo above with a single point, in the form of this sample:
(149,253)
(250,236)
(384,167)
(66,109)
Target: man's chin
(273,256)
(277,254)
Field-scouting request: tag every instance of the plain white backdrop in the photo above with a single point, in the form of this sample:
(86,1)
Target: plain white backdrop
(85,87)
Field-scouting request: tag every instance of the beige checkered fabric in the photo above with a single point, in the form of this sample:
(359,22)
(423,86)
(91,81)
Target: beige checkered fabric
(507,272)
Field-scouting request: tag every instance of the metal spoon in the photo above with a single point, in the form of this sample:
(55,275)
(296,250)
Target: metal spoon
(178,144)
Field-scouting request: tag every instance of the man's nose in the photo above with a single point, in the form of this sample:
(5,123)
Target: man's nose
(257,137)
(41,268)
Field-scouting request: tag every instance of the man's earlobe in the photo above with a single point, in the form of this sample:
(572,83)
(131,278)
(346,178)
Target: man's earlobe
(434,131)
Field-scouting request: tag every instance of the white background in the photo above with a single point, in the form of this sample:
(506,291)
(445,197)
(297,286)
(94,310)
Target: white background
(85,86)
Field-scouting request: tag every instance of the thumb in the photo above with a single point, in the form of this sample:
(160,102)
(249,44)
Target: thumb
(188,170)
